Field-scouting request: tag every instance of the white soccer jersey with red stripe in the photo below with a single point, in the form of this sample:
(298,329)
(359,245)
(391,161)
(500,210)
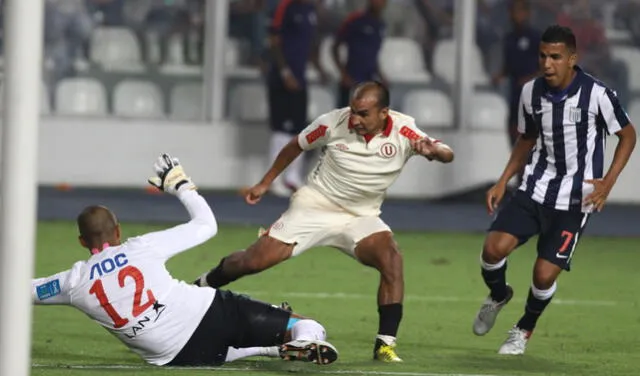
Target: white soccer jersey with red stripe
(128,290)
(355,171)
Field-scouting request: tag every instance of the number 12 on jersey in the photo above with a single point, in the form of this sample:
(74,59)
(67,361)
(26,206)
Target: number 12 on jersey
(138,308)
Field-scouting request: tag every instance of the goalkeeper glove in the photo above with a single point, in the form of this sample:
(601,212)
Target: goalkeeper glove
(170,176)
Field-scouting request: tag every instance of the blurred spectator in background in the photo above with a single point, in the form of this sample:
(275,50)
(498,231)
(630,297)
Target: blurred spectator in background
(157,22)
(293,42)
(248,21)
(438,19)
(107,12)
(67,31)
(520,59)
(362,32)
(593,47)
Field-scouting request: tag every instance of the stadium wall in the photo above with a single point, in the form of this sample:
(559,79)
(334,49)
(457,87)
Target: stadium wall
(108,152)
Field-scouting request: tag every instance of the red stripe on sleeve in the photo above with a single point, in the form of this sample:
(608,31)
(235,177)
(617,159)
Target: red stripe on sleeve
(278,17)
(348,20)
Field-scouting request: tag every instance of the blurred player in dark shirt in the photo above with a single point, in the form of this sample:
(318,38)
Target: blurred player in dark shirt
(362,32)
(293,42)
(520,59)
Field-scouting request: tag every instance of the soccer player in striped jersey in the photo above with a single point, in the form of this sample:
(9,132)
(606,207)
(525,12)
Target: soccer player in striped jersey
(564,117)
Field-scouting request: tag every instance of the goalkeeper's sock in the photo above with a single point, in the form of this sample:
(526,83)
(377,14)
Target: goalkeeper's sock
(215,277)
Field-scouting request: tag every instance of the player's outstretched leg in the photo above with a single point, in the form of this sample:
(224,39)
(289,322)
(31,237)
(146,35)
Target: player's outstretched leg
(263,254)
(308,343)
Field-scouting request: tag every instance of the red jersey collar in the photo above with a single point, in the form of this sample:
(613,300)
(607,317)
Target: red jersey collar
(385,132)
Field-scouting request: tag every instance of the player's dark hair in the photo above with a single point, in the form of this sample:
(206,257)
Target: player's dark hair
(560,34)
(381,91)
(97,225)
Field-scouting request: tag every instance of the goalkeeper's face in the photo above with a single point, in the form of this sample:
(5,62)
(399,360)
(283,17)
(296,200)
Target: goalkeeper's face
(367,118)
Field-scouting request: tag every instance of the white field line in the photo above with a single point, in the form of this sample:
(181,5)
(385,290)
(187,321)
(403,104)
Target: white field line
(417,298)
(328,371)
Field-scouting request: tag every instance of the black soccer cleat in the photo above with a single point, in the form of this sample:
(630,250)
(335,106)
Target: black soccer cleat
(312,351)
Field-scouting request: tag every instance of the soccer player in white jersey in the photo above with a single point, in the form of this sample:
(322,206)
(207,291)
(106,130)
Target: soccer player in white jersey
(364,148)
(126,288)
(564,118)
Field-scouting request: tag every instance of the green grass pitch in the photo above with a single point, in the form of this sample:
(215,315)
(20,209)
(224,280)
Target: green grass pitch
(591,328)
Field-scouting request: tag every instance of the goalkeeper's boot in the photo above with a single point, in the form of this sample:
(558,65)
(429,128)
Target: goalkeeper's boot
(313,351)
(516,343)
(486,317)
(385,352)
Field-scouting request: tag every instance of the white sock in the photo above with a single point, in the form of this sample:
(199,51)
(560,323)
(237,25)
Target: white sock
(543,294)
(389,340)
(239,353)
(489,267)
(308,330)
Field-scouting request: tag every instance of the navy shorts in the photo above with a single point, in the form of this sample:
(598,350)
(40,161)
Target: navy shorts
(233,320)
(287,109)
(558,230)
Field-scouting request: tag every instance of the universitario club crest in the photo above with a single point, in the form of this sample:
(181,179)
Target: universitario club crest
(388,150)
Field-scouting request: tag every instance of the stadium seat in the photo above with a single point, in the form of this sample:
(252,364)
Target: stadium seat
(430,108)
(186,102)
(489,112)
(116,49)
(444,62)
(248,102)
(401,60)
(321,101)
(175,50)
(138,99)
(80,96)
(630,56)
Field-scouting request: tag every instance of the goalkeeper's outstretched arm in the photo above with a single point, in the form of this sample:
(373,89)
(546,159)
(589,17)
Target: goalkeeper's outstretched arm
(202,226)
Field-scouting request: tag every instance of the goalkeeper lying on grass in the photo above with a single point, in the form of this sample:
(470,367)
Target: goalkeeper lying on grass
(126,288)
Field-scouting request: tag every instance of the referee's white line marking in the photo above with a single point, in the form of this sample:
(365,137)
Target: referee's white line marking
(417,298)
(247,369)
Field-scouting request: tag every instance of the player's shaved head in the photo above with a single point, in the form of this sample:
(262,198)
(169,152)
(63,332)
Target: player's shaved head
(98,225)
(375,88)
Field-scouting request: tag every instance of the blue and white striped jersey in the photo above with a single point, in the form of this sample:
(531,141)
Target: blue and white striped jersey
(571,127)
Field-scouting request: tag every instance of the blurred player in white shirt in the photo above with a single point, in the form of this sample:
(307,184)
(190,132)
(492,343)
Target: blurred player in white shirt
(126,288)
(364,148)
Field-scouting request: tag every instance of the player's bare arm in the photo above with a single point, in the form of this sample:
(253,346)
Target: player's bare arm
(602,187)
(433,150)
(518,159)
(290,152)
